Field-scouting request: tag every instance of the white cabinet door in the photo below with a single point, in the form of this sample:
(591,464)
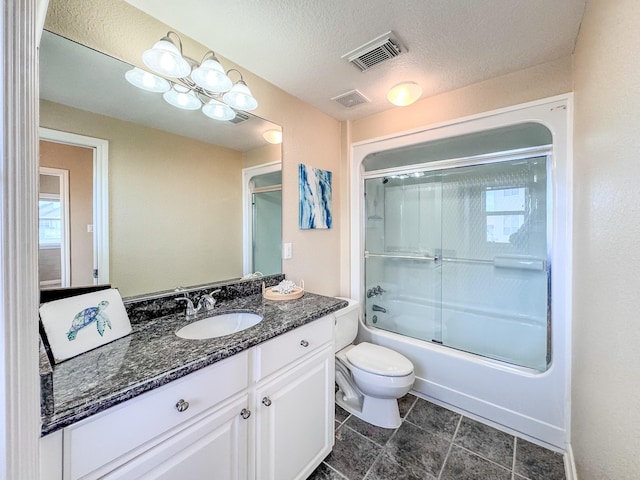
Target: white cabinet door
(214,447)
(294,419)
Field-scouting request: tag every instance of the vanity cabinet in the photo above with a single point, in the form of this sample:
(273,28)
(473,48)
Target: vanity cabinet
(265,413)
(295,419)
(216,444)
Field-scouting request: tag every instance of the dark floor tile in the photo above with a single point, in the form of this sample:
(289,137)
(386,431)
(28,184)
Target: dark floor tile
(323,472)
(352,454)
(405,403)
(434,418)
(341,414)
(376,434)
(413,447)
(486,441)
(538,463)
(463,465)
(385,469)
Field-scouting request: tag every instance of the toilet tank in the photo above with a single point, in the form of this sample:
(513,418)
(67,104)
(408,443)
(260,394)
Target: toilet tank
(346,327)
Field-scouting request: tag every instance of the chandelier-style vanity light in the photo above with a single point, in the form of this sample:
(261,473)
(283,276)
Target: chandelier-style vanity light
(192,86)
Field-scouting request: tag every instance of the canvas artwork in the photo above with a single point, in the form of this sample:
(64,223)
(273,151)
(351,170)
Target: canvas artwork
(77,324)
(315,197)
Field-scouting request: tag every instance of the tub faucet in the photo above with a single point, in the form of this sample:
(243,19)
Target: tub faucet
(375,291)
(378,308)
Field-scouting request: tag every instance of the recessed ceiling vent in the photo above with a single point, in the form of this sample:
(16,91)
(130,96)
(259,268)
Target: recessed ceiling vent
(375,52)
(239,118)
(351,99)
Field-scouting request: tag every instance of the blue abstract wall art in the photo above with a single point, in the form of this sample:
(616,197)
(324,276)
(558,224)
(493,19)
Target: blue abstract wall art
(315,197)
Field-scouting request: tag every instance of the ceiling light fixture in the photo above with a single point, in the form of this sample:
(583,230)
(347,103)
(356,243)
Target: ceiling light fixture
(404,93)
(273,136)
(192,86)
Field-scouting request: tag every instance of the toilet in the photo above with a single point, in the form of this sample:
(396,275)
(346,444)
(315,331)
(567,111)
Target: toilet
(370,377)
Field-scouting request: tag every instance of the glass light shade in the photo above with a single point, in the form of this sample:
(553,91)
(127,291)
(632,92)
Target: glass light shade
(240,98)
(210,76)
(273,136)
(147,81)
(182,97)
(165,58)
(218,110)
(404,94)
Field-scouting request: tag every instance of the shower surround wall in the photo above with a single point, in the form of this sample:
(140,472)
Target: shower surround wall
(478,290)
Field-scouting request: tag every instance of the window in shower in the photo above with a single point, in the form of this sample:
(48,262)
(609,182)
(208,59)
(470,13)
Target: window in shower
(456,252)
(505,209)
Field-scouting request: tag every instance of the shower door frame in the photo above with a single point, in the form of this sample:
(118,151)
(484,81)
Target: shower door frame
(542,151)
(545,412)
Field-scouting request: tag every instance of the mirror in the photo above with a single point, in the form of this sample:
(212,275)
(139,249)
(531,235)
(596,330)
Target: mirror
(175,178)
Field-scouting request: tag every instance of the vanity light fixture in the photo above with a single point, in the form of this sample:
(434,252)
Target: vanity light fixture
(273,136)
(192,86)
(404,93)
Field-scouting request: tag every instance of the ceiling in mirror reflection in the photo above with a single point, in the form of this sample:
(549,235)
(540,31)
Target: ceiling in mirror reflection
(77,76)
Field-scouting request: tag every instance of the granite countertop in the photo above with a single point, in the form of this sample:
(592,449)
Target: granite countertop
(152,356)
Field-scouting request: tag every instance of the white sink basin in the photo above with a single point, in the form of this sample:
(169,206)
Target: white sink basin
(219,325)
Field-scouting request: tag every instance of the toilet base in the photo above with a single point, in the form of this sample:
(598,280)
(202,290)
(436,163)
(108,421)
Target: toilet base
(381,412)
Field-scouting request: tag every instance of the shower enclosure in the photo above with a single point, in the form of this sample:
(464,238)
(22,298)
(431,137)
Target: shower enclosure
(455,230)
(457,256)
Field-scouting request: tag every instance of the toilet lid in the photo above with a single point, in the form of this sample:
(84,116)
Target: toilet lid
(379,360)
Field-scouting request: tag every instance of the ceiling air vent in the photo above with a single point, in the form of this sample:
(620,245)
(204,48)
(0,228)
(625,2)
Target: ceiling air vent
(239,118)
(351,99)
(375,52)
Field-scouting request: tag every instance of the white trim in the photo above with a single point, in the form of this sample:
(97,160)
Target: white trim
(247,201)
(570,470)
(100,193)
(540,111)
(19,388)
(65,244)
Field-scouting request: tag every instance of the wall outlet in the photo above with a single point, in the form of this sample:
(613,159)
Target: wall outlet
(287,251)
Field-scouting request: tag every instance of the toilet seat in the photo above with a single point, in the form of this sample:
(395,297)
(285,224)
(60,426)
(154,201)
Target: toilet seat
(379,360)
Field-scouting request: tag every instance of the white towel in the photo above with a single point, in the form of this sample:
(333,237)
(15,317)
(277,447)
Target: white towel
(77,324)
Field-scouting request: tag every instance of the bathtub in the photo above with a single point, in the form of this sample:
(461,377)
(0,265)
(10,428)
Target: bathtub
(512,386)
(516,339)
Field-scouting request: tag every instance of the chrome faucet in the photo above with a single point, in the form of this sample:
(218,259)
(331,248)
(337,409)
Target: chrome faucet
(378,308)
(375,291)
(190,311)
(207,302)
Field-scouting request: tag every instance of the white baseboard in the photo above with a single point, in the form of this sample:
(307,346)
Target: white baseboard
(570,464)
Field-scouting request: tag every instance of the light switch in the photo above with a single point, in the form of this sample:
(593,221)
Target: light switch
(89,228)
(287,251)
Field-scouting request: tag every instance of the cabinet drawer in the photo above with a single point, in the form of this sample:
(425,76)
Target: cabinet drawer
(118,432)
(289,347)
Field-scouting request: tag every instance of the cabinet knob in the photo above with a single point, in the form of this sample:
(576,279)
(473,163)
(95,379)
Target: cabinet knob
(182,405)
(245,413)
(266,402)
(304,343)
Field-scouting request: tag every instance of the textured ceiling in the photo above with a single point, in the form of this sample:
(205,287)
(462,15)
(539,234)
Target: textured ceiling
(297,44)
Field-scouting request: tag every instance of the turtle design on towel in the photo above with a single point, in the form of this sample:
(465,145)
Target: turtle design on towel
(87,317)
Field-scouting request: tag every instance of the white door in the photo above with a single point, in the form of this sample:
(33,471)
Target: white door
(295,420)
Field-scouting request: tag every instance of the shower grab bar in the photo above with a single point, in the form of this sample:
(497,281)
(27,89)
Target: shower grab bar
(406,257)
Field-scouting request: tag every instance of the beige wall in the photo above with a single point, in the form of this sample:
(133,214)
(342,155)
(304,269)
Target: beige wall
(606,326)
(260,155)
(310,136)
(79,162)
(174,203)
(533,83)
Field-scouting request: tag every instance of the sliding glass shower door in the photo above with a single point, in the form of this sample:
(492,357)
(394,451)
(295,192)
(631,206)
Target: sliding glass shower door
(458,257)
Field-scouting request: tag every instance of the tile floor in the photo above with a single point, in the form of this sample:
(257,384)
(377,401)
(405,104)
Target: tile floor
(433,443)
